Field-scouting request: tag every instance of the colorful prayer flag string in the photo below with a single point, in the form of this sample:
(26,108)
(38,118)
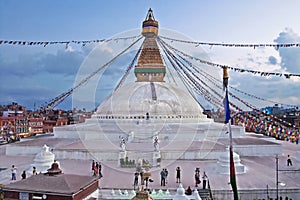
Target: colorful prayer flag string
(262,73)
(277,46)
(46,43)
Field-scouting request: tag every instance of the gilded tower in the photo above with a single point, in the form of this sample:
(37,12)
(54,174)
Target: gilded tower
(150,66)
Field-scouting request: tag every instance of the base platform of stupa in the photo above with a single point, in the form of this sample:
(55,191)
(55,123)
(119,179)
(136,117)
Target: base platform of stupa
(185,141)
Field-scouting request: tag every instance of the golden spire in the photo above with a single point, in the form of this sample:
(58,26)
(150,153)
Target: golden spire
(150,67)
(150,26)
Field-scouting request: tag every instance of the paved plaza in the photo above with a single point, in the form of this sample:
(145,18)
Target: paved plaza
(260,171)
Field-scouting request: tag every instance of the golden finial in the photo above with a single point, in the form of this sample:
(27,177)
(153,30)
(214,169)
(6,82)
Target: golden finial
(225,77)
(150,25)
(225,73)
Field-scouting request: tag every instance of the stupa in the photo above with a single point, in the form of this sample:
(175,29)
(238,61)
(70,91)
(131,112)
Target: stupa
(159,122)
(43,160)
(146,110)
(148,119)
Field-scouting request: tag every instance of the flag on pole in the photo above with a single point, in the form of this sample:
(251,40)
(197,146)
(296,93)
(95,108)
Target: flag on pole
(226,101)
(227,120)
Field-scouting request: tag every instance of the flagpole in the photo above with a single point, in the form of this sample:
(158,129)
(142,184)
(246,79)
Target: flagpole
(227,120)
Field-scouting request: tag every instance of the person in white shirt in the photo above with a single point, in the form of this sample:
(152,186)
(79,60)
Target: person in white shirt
(13,173)
(204,180)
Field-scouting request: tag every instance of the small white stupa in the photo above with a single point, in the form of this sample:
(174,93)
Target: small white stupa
(180,194)
(196,194)
(223,165)
(43,160)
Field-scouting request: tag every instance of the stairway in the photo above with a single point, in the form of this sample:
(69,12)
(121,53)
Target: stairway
(204,194)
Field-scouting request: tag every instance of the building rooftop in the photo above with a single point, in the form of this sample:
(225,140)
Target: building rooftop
(59,184)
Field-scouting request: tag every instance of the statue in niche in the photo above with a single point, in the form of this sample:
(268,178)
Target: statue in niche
(123,144)
(155,143)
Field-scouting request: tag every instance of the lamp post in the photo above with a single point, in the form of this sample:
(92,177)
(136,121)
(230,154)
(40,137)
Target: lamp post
(268,192)
(277,181)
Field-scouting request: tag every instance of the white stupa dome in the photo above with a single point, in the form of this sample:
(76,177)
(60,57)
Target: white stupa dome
(43,160)
(180,193)
(223,166)
(157,98)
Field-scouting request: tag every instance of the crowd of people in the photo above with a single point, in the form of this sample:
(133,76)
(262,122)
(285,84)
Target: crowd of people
(97,169)
(23,175)
(164,179)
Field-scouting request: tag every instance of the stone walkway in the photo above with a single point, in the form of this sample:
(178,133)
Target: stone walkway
(260,171)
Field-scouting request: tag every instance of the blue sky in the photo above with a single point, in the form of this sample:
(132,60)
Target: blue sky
(32,74)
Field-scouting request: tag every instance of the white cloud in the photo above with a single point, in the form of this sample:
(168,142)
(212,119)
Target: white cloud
(283,60)
(290,57)
(38,77)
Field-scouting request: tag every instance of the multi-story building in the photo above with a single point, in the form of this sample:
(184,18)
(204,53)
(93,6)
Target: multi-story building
(15,119)
(14,122)
(36,125)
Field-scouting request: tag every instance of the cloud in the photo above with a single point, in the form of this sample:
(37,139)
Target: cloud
(25,94)
(62,62)
(290,57)
(38,77)
(278,89)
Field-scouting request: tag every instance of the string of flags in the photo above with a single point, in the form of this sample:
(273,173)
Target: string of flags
(254,109)
(208,76)
(232,95)
(215,82)
(267,126)
(236,69)
(84,42)
(46,43)
(212,97)
(57,100)
(193,78)
(254,121)
(181,69)
(277,46)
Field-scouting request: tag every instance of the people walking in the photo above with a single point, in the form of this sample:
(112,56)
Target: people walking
(204,180)
(166,173)
(34,171)
(23,175)
(100,170)
(163,178)
(93,166)
(142,177)
(95,169)
(197,177)
(136,179)
(13,173)
(178,175)
(289,161)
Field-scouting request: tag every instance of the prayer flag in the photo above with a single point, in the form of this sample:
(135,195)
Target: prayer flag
(232,176)
(227,118)
(226,107)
